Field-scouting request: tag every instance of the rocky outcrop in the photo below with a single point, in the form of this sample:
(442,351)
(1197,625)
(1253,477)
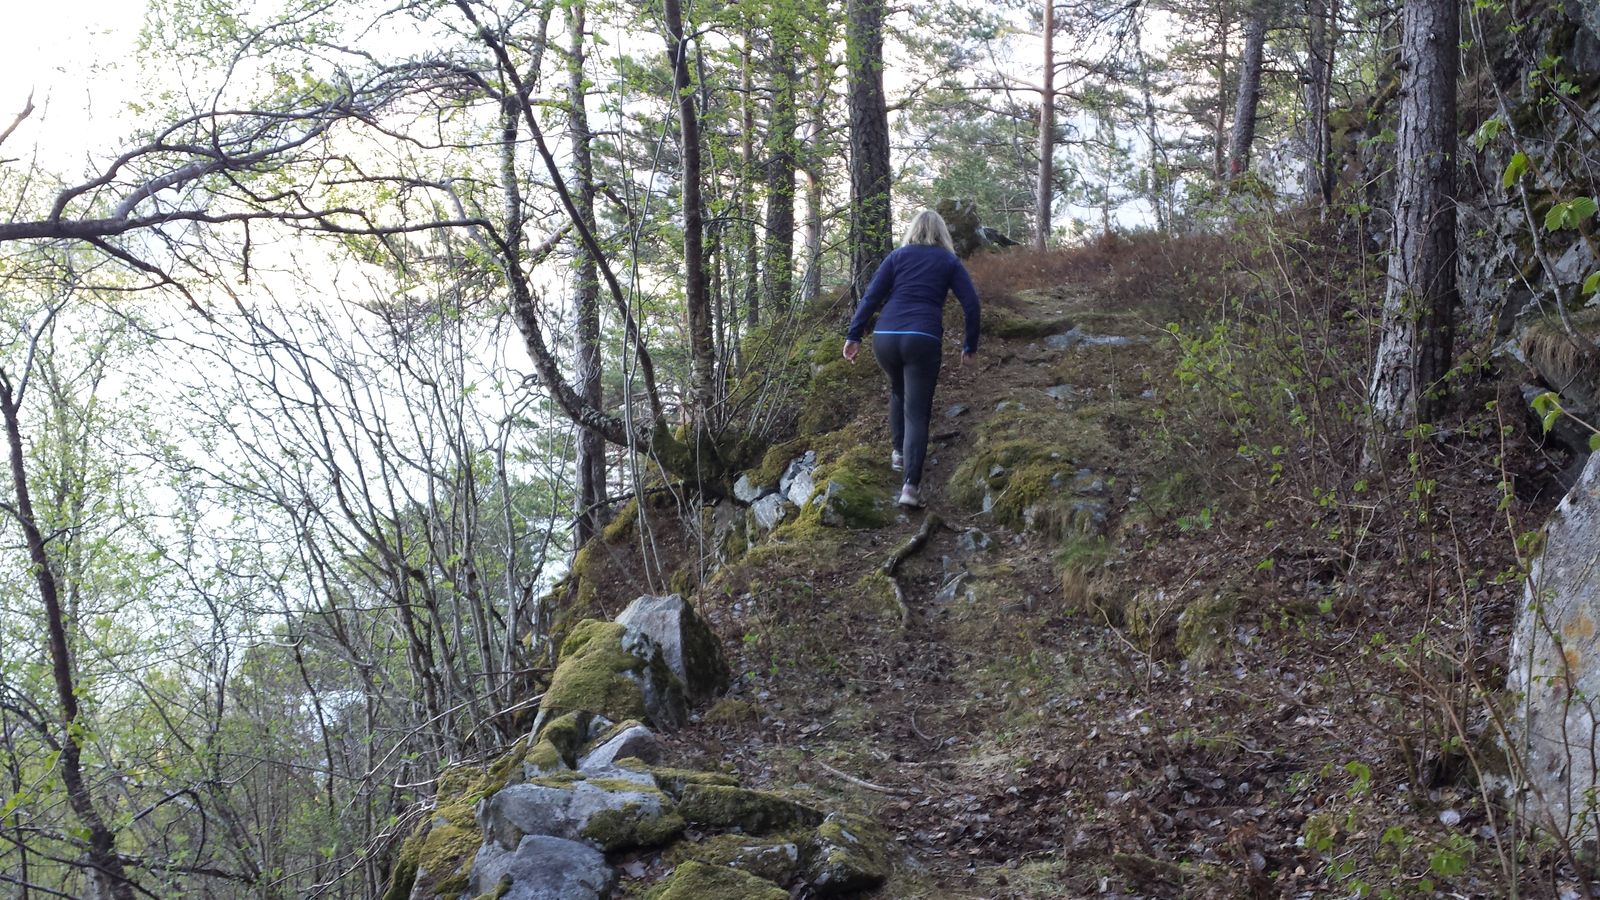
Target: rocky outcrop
(967,230)
(550,819)
(686,643)
(1555,669)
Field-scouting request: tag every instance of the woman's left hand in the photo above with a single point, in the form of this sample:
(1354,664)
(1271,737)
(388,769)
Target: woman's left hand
(851,348)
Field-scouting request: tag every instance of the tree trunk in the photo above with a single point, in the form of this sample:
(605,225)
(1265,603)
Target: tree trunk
(1249,97)
(870,178)
(586,376)
(105,872)
(702,351)
(747,203)
(1047,131)
(778,262)
(1158,179)
(1321,38)
(1419,303)
(811,283)
(1219,124)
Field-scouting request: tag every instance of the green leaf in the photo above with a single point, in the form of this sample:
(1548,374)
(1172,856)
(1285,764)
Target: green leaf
(1487,132)
(1592,283)
(1583,208)
(1515,169)
(1594,442)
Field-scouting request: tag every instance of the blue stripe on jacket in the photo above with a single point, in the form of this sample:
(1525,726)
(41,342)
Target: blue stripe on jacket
(911,286)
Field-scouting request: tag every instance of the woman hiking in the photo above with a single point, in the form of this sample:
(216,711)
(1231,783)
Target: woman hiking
(911,286)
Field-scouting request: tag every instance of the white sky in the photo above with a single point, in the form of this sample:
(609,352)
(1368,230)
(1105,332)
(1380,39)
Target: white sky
(78,59)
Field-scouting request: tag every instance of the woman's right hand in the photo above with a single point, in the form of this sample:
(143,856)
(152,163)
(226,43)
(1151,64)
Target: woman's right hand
(851,348)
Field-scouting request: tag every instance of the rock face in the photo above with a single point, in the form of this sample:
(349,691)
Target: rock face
(609,814)
(542,868)
(690,649)
(1555,666)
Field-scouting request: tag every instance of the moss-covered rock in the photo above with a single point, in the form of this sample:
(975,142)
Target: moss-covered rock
(631,826)
(598,673)
(698,881)
(1205,627)
(673,781)
(437,858)
(688,645)
(754,812)
(776,859)
(847,854)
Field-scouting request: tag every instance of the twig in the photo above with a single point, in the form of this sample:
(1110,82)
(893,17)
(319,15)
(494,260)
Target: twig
(856,781)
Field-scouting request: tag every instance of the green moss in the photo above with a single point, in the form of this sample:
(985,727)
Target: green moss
(593,675)
(776,859)
(698,881)
(1079,560)
(854,490)
(729,711)
(567,734)
(545,759)
(673,781)
(755,812)
(1205,627)
(622,525)
(446,857)
(619,829)
(835,394)
(404,875)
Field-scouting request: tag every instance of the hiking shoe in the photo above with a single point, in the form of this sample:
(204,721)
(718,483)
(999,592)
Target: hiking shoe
(897,462)
(910,496)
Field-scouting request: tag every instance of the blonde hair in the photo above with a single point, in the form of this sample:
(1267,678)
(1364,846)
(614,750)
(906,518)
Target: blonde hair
(927,227)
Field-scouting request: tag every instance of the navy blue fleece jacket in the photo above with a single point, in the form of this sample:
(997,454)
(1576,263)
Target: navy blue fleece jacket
(915,280)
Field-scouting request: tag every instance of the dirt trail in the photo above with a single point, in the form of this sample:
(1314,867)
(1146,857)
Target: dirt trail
(1014,744)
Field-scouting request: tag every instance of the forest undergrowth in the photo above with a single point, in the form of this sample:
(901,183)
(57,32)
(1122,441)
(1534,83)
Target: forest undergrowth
(1241,662)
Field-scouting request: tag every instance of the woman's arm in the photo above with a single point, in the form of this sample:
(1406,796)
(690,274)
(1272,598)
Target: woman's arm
(961,283)
(877,292)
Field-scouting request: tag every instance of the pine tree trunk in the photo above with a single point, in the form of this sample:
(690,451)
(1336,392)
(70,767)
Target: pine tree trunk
(591,450)
(778,260)
(870,178)
(1320,15)
(702,350)
(1419,302)
(1047,132)
(1248,99)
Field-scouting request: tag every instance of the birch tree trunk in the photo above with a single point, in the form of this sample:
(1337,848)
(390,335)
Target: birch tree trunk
(1248,99)
(1421,295)
(870,227)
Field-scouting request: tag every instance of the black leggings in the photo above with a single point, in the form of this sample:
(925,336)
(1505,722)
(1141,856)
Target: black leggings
(912,363)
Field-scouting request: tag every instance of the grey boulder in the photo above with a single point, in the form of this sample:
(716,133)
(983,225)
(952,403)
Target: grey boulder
(688,646)
(542,868)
